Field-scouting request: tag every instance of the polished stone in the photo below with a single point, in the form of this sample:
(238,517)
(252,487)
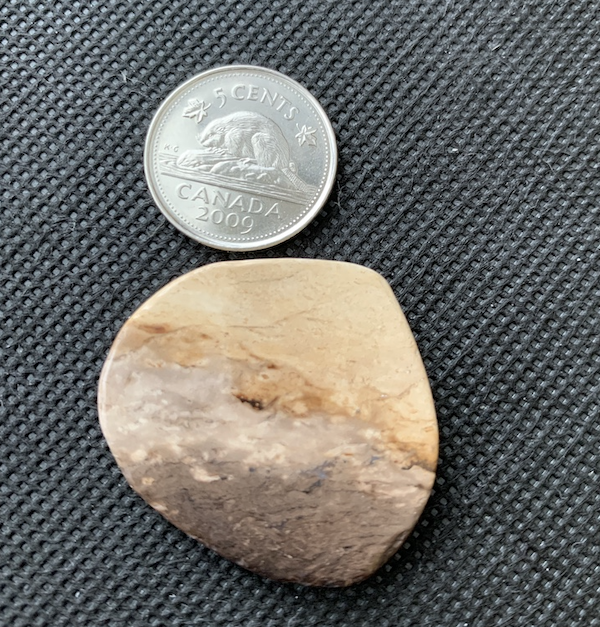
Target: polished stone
(279,412)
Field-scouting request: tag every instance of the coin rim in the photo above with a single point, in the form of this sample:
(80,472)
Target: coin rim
(268,242)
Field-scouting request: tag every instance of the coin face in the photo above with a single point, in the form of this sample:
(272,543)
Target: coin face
(240,158)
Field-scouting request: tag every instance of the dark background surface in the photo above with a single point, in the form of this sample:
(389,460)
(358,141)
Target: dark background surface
(469,176)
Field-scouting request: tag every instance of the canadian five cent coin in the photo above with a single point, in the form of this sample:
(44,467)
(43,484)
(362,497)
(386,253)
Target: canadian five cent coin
(240,158)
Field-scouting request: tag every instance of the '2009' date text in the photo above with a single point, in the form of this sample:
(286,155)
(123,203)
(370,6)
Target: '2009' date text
(233,220)
(233,210)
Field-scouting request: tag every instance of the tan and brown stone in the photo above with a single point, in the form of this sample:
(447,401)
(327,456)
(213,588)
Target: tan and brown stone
(279,412)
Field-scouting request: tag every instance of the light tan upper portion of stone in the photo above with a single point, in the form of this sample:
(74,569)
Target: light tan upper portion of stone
(316,337)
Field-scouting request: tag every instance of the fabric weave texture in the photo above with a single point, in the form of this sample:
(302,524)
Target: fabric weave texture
(469,176)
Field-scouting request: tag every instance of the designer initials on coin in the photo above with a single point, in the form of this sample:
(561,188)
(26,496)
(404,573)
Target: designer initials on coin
(240,158)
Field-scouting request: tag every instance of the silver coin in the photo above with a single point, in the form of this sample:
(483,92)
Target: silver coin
(240,158)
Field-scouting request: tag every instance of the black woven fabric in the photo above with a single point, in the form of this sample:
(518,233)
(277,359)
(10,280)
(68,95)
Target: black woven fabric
(469,176)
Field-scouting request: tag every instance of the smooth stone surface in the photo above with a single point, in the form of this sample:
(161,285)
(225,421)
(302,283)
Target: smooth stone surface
(279,412)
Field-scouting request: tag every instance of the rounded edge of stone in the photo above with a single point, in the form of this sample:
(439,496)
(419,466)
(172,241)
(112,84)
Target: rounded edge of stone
(268,242)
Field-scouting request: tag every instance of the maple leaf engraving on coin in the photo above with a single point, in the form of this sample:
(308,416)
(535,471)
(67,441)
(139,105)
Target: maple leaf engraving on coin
(196,109)
(306,135)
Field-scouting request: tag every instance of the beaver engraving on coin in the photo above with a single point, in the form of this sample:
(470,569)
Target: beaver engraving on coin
(249,146)
(256,137)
